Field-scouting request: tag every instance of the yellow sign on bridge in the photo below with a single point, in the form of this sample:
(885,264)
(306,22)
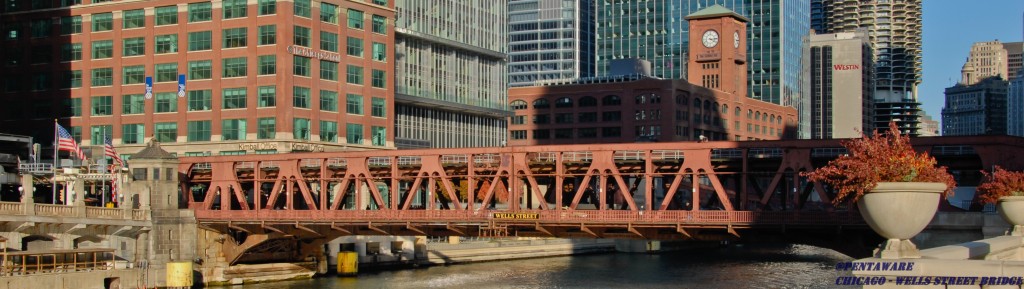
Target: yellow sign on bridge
(517,216)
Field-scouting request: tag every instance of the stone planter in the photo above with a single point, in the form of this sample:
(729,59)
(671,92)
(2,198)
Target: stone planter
(898,211)
(1012,210)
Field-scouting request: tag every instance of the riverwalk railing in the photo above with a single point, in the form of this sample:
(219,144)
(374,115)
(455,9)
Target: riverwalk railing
(55,261)
(19,209)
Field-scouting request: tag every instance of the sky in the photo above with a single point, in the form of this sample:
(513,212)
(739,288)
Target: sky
(950,27)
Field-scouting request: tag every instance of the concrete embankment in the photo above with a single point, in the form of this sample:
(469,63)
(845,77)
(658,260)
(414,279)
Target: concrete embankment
(513,249)
(100,279)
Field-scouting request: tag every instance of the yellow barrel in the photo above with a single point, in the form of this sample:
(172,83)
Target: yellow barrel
(348,263)
(179,274)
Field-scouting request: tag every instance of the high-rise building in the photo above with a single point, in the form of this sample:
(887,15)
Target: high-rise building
(637,107)
(450,75)
(929,126)
(1014,58)
(837,85)
(986,59)
(1015,107)
(894,28)
(550,39)
(206,77)
(653,30)
(976,109)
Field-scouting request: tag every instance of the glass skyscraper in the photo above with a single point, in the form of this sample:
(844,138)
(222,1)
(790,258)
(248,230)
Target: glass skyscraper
(450,74)
(655,30)
(550,39)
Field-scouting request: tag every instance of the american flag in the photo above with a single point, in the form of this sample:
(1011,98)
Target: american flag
(108,150)
(65,142)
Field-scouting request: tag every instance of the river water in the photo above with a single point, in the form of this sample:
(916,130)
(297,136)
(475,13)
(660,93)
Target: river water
(737,266)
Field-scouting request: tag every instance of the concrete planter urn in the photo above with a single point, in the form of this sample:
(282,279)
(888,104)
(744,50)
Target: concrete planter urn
(1012,210)
(898,211)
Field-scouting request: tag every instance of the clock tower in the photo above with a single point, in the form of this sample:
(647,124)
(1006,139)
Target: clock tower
(718,50)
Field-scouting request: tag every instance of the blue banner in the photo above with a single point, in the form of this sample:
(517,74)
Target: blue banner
(181,85)
(149,87)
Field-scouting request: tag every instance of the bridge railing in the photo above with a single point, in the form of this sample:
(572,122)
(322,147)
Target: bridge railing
(544,216)
(11,208)
(18,209)
(54,210)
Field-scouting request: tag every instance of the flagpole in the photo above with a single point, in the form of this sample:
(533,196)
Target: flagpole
(55,157)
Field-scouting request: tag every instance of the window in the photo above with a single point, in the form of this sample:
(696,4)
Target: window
(73,79)
(75,106)
(102,22)
(234,67)
(102,49)
(166,15)
(302,8)
(41,28)
(234,98)
(611,100)
(133,133)
(71,52)
(166,102)
(518,104)
(301,36)
(134,46)
(234,8)
(200,69)
(133,19)
(354,133)
(354,75)
(354,47)
(167,72)
(328,70)
(379,135)
(199,130)
(200,100)
(328,131)
(354,104)
(268,96)
(268,7)
(300,97)
(133,74)
(268,34)
(232,129)
(328,12)
(379,24)
(517,134)
(198,12)
(268,64)
(102,105)
(328,41)
(166,132)
(301,66)
(103,77)
(133,104)
(234,37)
(166,43)
(99,132)
(378,107)
(563,102)
(202,40)
(379,52)
(379,79)
(328,100)
(71,24)
(381,2)
(300,128)
(587,101)
(267,128)
(355,19)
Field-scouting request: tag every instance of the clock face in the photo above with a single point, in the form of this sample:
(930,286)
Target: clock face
(736,39)
(710,38)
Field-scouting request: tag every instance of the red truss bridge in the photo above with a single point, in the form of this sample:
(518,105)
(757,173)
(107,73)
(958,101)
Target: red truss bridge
(682,190)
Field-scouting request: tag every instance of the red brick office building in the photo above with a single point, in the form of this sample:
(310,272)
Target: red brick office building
(638,108)
(202,77)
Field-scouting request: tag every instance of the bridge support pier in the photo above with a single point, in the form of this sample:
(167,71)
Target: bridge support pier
(637,246)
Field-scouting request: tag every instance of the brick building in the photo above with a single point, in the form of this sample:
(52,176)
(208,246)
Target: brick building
(637,107)
(202,77)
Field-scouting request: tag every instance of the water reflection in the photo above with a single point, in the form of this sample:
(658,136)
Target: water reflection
(750,266)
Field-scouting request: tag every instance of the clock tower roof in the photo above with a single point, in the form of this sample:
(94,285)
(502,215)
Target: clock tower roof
(714,11)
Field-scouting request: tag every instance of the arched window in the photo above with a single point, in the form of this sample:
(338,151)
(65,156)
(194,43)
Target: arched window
(588,101)
(563,102)
(707,105)
(611,100)
(725,109)
(541,103)
(517,104)
(683,99)
(738,111)
(715,106)
(696,102)
(750,114)
(764,117)
(641,99)
(655,98)
(757,116)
